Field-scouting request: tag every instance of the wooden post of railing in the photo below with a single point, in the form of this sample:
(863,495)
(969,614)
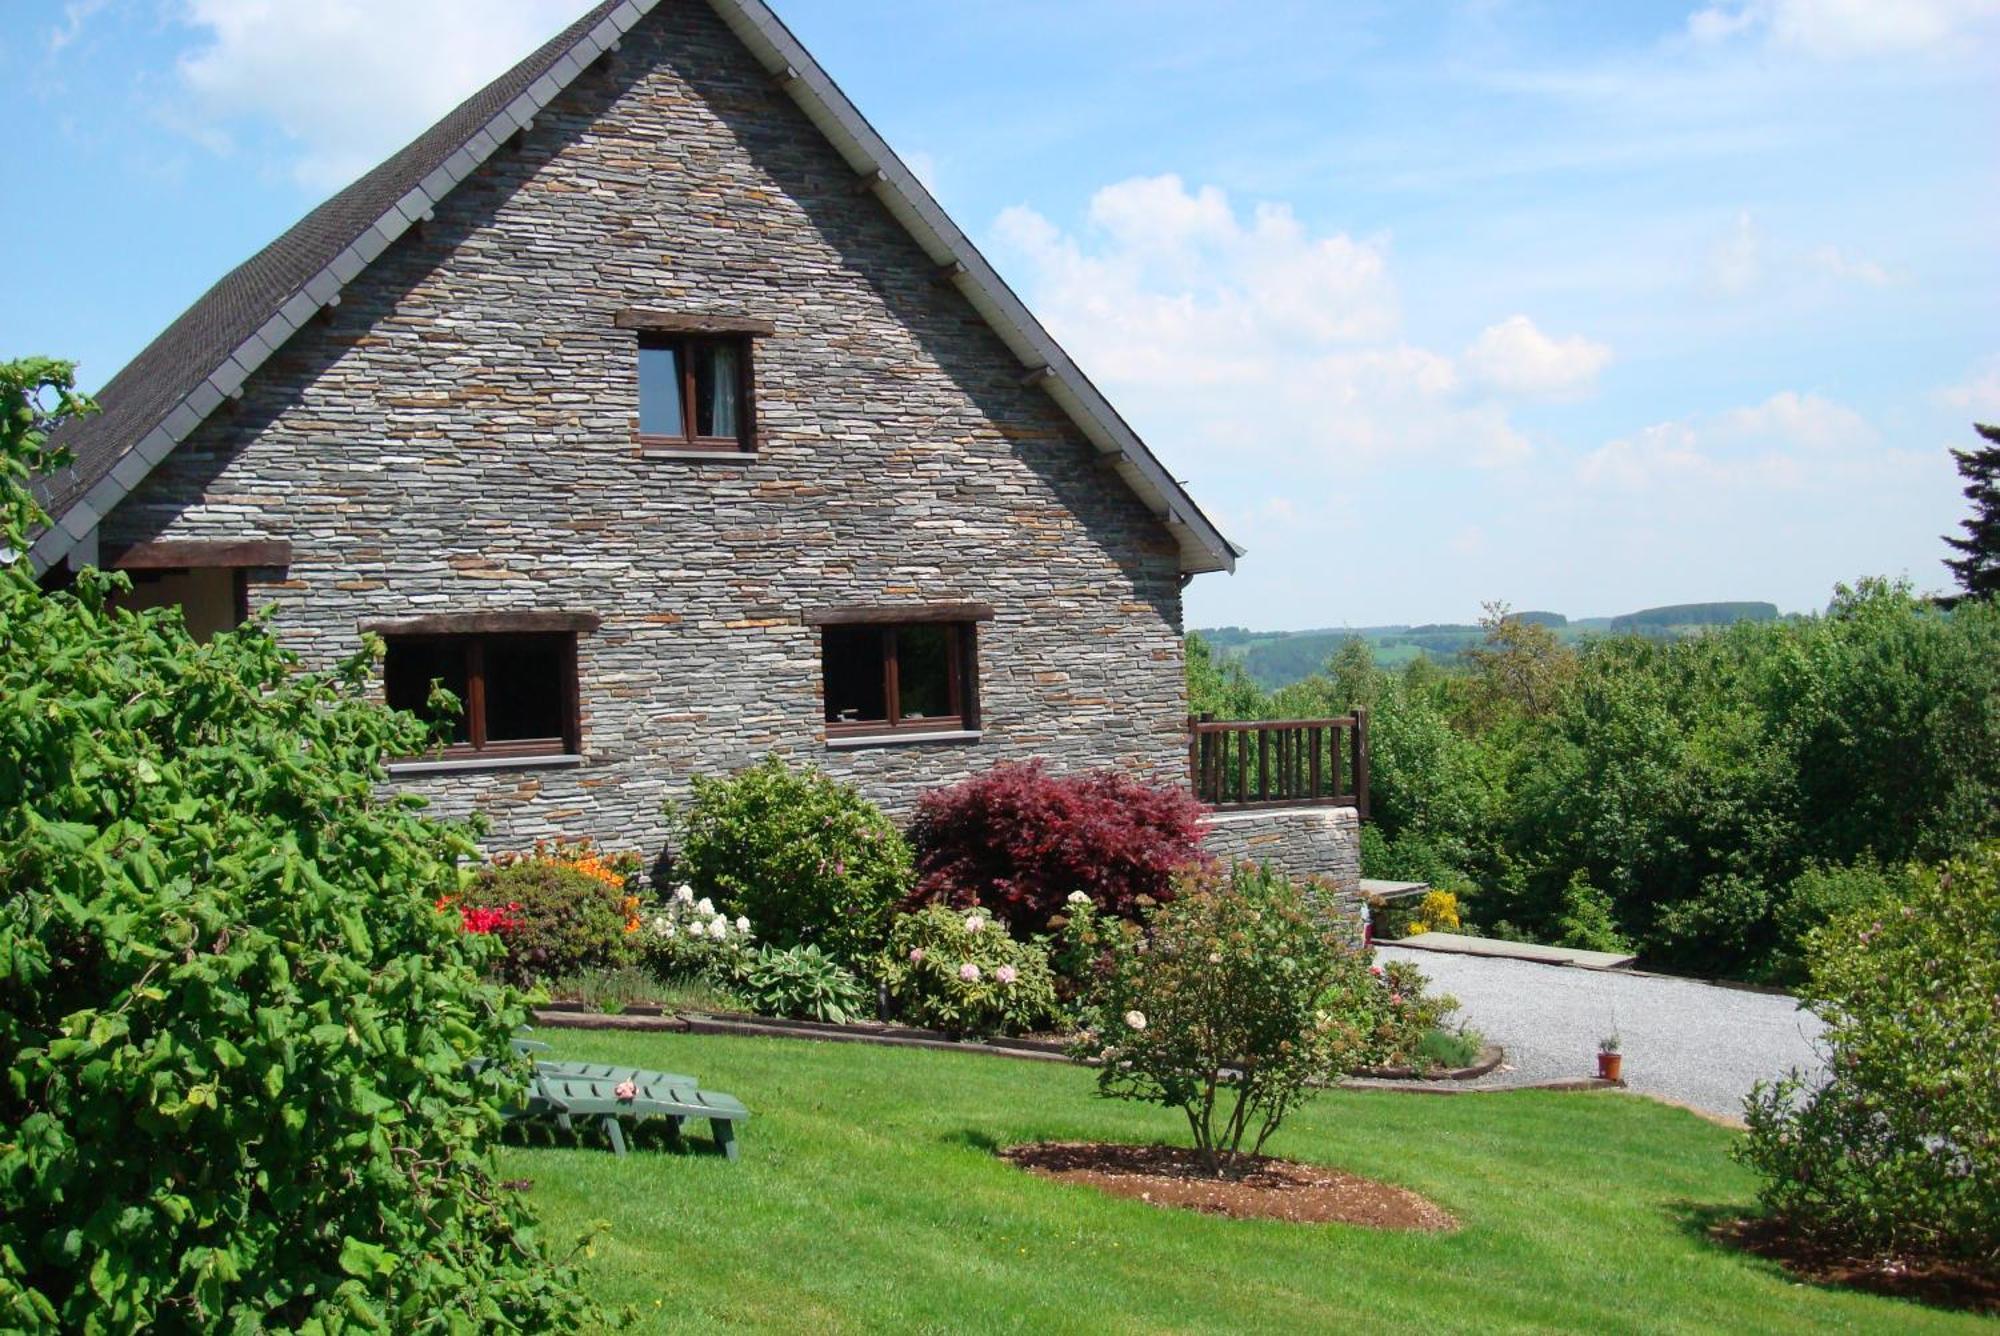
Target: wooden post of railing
(1194,754)
(1361,762)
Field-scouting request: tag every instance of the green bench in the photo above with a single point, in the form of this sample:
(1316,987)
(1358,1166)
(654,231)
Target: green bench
(566,1091)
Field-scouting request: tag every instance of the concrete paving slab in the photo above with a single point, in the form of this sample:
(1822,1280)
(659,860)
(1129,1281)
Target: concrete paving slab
(1462,945)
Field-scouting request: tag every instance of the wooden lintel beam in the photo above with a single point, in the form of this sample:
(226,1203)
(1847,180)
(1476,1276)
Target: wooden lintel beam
(692,322)
(167,554)
(878,615)
(499,621)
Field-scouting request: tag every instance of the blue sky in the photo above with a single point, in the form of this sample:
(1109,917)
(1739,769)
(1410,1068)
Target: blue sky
(1579,306)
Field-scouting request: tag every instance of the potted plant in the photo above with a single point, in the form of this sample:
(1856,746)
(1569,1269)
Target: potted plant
(1610,1062)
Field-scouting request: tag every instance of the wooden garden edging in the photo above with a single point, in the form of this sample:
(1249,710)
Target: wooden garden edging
(656,1019)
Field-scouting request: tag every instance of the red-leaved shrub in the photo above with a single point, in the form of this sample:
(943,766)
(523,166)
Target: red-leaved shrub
(1019,840)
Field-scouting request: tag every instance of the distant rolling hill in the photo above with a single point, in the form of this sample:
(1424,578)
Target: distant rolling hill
(1277,658)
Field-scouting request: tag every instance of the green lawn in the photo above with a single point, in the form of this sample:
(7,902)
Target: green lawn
(868,1198)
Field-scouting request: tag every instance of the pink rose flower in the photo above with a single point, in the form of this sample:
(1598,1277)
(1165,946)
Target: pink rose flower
(626,1090)
(1005,974)
(916,955)
(969,972)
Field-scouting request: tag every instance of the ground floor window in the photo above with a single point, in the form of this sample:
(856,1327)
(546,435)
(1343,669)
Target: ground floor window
(517,692)
(913,676)
(211,598)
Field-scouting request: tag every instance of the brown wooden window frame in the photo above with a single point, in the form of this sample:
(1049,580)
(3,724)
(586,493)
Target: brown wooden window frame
(962,667)
(686,346)
(478,747)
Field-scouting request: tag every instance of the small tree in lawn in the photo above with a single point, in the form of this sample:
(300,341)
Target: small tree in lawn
(1220,1007)
(1978,566)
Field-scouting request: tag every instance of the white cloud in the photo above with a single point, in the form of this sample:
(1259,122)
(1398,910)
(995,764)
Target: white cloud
(1743,260)
(1836,263)
(76,13)
(1514,357)
(1845,29)
(1980,394)
(1223,331)
(349,81)
(1736,262)
(1778,444)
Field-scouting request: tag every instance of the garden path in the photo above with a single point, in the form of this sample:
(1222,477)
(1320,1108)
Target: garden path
(1694,1043)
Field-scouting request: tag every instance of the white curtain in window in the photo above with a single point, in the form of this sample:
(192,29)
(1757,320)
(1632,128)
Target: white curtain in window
(728,386)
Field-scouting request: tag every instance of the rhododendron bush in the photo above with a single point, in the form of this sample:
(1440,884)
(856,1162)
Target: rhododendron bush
(1020,840)
(958,970)
(564,908)
(807,859)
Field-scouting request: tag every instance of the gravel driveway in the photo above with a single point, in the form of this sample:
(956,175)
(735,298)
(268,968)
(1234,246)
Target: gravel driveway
(1691,1042)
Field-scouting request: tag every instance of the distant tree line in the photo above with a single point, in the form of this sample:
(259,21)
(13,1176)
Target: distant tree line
(1708,800)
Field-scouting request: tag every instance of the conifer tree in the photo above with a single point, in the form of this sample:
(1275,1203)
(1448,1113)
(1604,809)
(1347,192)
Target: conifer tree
(1978,566)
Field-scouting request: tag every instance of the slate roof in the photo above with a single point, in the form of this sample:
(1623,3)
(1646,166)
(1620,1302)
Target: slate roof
(205,355)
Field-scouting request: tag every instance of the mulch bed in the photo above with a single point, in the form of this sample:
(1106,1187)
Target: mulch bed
(1269,1189)
(1943,1284)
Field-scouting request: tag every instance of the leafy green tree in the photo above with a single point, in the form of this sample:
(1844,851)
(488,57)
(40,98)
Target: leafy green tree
(1978,565)
(1519,668)
(1217,684)
(235,1029)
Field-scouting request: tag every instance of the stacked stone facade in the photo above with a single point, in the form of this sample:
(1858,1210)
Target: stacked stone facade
(1323,843)
(458,436)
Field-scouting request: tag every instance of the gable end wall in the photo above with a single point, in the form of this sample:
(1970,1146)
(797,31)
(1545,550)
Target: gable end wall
(457,436)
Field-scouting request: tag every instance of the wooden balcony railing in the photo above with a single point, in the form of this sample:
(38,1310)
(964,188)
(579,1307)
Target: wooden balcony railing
(1280,763)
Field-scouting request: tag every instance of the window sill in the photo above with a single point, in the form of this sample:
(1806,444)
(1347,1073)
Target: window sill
(682,455)
(910,738)
(465,765)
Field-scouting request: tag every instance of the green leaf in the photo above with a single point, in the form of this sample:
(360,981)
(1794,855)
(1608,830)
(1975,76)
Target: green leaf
(365,1259)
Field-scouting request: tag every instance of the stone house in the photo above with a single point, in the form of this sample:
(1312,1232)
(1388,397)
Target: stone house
(653,405)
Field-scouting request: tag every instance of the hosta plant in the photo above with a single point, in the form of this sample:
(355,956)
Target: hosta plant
(802,983)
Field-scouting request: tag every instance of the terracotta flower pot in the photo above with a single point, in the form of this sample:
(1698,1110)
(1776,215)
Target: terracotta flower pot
(1610,1065)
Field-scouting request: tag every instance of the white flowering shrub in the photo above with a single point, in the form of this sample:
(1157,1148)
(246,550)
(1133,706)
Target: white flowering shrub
(686,937)
(957,970)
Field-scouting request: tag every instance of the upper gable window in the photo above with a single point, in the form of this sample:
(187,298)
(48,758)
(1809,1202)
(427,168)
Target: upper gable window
(694,391)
